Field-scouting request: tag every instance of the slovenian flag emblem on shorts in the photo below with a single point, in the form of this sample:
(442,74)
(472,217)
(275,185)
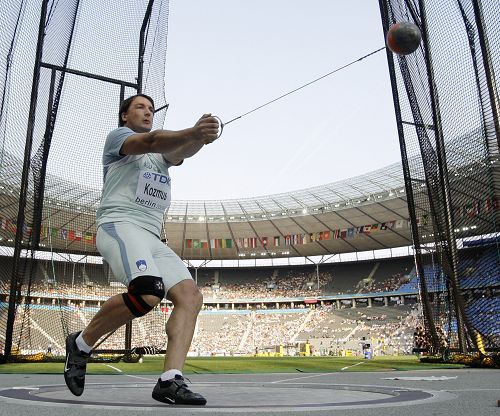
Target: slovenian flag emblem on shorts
(141,265)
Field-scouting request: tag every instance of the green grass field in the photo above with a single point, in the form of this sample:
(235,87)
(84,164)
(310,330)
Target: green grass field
(240,365)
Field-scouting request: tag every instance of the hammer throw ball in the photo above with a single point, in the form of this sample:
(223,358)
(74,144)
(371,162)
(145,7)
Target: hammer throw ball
(403,38)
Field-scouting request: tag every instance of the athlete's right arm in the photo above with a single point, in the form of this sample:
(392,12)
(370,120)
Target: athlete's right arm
(169,141)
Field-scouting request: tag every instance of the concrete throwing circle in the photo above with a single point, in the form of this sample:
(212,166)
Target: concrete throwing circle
(236,397)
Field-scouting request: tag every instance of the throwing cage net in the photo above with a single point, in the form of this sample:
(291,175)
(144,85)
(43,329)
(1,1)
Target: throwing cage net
(64,69)
(447,108)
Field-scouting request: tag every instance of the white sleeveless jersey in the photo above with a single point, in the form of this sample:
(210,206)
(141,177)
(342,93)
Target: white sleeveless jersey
(136,188)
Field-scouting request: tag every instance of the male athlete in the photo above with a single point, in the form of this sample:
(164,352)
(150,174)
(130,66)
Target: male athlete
(136,192)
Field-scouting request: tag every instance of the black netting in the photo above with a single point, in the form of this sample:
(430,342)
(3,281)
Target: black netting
(445,100)
(61,83)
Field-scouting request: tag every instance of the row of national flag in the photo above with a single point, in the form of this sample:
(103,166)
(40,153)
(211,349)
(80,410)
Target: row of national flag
(46,232)
(214,243)
(469,210)
(294,239)
(473,209)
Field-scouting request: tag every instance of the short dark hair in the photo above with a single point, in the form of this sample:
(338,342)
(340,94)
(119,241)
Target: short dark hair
(124,106)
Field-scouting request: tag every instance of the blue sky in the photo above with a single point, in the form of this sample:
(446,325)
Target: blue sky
(228,57)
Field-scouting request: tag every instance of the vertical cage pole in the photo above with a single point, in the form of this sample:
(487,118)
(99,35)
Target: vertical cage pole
(488,66)
(15,286)
(424,298)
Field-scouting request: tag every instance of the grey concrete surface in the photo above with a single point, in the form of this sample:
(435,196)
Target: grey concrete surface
(413,393)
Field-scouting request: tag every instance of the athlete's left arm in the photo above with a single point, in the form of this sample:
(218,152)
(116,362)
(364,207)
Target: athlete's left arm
(183,152)
(187,149)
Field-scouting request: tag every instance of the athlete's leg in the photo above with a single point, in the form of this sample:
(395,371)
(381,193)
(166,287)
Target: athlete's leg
(187,300)
(113,314)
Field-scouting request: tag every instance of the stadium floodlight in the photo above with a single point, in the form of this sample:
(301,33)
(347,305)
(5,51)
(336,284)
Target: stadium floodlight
(304,211)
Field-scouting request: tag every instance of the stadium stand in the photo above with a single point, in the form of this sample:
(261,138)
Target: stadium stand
(248,311)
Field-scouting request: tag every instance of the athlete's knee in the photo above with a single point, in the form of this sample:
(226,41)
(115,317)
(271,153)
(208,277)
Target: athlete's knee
(144,293)
(194,299)
(197,298)
(187,295)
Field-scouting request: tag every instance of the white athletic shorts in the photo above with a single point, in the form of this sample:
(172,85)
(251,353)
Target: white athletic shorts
(132,251)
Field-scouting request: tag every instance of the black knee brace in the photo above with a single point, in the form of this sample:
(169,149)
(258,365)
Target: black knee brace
(143,285)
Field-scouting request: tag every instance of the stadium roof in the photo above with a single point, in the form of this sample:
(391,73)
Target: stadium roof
(196,229)
(366,212)
(280,225)
(376,184)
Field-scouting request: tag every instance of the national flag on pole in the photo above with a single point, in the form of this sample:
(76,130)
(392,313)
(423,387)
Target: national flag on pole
(492,204)
(12,226)
(27,230)
(472,209)
(400,224)
(44,232)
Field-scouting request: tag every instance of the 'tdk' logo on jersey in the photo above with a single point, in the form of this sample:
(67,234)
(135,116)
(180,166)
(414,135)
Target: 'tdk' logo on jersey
(157,177)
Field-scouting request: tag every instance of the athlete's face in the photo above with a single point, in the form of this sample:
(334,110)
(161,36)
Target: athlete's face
(139,116)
